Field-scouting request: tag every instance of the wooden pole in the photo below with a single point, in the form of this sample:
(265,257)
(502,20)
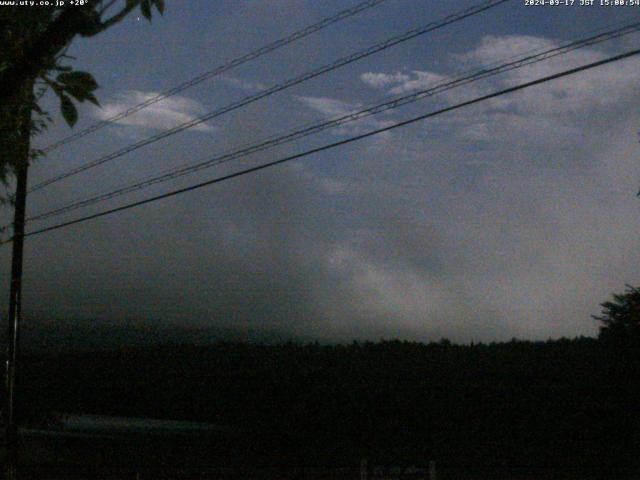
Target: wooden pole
(21,167)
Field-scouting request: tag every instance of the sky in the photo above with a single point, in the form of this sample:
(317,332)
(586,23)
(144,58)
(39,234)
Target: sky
(515,217)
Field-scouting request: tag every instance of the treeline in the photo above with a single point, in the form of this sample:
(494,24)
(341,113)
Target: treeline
(569,405)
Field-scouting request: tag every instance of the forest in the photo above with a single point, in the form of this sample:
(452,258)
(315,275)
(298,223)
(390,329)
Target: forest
(569,405)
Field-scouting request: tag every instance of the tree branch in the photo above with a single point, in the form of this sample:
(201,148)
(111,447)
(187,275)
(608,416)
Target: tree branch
(118,16)
(34,56)
(107,7)
(31,59)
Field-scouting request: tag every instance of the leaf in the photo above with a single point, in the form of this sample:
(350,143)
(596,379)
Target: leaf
(159,5)
(79,85)
(145,8)
(91,24)
(83,79)
(57,88)
(80,93)
(36,108)
(93,99)
(68,109)
(76,92)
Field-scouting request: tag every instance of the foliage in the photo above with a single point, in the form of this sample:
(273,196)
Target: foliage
(34,43)
(621,318)
(566,405)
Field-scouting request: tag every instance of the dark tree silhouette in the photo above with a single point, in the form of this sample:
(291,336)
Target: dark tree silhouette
(34,44)
(621,318)
(555,409)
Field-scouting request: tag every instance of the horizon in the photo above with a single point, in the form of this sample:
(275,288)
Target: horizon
(81,335)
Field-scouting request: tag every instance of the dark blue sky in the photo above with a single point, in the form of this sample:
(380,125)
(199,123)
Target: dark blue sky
(516,217)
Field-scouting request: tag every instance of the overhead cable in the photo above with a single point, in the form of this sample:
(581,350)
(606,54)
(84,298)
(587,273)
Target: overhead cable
(289,158)
(474,10)
(477,75)
(324,23)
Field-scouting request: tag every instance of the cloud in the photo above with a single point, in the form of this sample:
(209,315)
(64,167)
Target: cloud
(559,100)
(570,94)
(536,216)
(515,217)
(382,80)
(243,84)
(331,108)
(401,83)
(403,294)
(555,109)
(418,81)
(163,115)
(494,48)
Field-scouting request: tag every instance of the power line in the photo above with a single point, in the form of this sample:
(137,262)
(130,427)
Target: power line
(483,98)
(315,128)
(343,119)
(474,10)
(277,88)
(218,71)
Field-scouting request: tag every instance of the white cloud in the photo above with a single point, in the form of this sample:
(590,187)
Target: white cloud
(331,108)
(165,114)
(504,48)
(419,81)
(400,83)
(550,109)
(243,84)
(514,217)
(394,293)
(554,111)
(572,96)
(537,224)
(382,80)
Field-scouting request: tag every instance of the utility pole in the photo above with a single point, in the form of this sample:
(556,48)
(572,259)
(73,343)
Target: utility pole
(24,101)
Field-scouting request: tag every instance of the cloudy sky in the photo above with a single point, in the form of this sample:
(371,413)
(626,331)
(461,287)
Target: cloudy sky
(515,217)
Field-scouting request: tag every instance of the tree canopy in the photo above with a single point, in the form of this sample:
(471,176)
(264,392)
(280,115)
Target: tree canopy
(35,41)
(621,318)
(564,406)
